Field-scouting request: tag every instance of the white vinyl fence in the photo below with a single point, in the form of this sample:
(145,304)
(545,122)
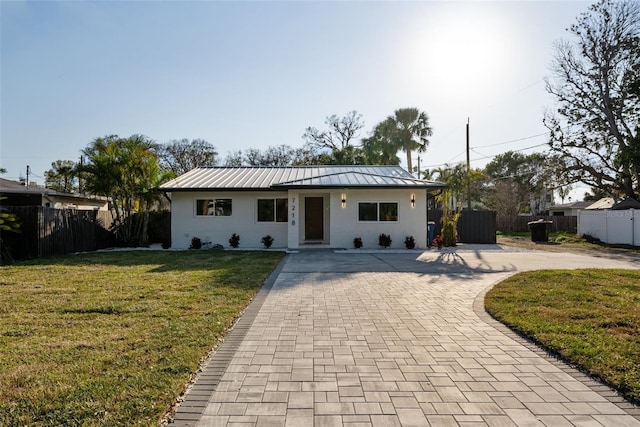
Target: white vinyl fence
(613,227)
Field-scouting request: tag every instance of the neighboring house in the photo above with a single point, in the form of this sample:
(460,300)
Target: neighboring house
(305,206)
(20,195)
(626,204)
(568,209)
(604,203)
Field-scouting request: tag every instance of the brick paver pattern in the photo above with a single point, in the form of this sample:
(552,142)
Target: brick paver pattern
(393,349)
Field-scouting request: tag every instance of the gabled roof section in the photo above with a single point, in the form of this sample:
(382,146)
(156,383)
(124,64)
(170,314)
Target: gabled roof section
(626,204)
(14,187)
(604,203)
(356,179)
(266,178)
(572,205)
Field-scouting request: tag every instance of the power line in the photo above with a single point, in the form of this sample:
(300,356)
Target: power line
(513,140)
(515,151)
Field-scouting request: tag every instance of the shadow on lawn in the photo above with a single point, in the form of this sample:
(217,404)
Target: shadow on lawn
(163,261)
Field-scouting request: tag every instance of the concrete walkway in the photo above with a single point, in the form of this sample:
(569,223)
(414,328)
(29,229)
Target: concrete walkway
(395,339)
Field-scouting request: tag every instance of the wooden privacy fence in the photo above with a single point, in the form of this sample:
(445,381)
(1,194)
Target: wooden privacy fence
(47,232)
(473,226)
(567,224)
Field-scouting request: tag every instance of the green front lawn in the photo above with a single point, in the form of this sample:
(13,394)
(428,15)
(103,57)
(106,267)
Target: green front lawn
(112,338)
(589,317)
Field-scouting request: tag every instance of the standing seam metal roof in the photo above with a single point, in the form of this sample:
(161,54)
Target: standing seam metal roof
(263,178)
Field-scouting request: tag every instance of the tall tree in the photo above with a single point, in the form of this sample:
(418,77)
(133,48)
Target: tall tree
(377,149)
(233,159)
(408,130)
(126,170)
(341,132)
(180,156)
(596,82)
(280,155)
(62,176)
(455,177)
(308,156)
(519,183)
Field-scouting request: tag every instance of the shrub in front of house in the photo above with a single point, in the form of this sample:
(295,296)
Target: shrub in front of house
(196,243)
(384,240)
(409,242)
(267,241)
(234,241)
(357,242)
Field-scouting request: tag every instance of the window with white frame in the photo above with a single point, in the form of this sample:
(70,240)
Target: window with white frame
(213,207)
(378,211)
(273,210)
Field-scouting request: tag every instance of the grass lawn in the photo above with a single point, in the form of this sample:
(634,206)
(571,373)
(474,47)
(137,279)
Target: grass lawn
(589,317)
(112,338)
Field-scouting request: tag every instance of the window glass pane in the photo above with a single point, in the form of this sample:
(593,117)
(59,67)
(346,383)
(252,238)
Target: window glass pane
(388,211)
(265,210)
(223,207)
(367,211)
(204,207)
(282,210)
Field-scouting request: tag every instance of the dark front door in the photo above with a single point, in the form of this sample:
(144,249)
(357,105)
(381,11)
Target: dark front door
(313,218)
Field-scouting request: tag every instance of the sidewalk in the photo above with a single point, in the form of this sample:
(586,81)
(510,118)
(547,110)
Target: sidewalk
(384,339)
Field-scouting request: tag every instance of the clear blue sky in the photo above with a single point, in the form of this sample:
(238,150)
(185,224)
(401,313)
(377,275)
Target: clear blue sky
(256,74)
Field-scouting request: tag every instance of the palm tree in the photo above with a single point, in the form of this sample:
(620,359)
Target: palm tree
(127,171)
(377,149)
(408,129)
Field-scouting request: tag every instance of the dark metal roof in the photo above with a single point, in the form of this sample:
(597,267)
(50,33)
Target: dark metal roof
(14,187)
(265,178)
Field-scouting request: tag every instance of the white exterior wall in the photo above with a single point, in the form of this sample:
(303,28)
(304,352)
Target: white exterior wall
(341,225)
(218,229)
(345,225)
(613,227)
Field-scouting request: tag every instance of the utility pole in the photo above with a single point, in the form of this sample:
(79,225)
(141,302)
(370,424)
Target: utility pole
(28,170)
(468,170)
(80,191)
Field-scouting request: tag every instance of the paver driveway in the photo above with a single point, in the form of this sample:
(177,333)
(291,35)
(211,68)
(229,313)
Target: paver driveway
(389,339)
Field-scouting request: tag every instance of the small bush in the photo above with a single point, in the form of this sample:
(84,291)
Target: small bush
(196,243)
(357,242)
(234,241)
(409,242)
(589,238)
(384,240)
(267,241)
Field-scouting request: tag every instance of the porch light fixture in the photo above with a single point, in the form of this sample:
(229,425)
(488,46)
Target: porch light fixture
(344,200)
(413,200)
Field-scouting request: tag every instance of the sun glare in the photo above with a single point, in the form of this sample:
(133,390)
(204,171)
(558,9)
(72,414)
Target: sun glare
(463,47)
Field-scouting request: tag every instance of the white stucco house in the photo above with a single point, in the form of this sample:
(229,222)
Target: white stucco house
(299,206)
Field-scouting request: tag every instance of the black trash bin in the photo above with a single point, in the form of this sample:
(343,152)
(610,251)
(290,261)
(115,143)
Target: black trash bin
(539,230)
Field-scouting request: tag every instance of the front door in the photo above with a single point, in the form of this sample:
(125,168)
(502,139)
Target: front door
(313,218)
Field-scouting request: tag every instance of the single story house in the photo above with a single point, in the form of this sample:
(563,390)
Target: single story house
(299,206)
(568,209)
(17,194)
